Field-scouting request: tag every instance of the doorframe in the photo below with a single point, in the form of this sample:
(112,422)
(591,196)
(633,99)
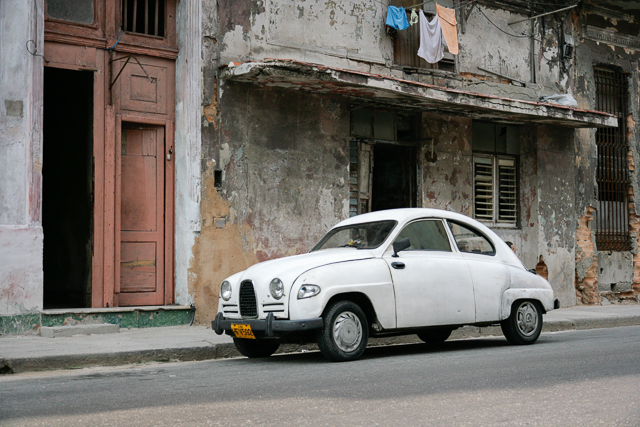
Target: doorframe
(111,194)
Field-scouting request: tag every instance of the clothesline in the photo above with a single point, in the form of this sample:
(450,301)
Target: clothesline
(431,1)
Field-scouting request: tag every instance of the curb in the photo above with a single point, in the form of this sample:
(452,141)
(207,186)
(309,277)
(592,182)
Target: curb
(228,350)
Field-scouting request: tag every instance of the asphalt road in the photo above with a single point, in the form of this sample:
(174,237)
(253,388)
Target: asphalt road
(575,378)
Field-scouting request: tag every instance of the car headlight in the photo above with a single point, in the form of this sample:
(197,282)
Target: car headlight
(276,287)
(308,291)
(225,290)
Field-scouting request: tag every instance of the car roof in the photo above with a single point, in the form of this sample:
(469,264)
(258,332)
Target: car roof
(403,215)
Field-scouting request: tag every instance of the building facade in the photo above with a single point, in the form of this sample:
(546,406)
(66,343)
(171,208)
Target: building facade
(153,148)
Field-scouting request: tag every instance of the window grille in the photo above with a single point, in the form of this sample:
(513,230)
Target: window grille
(495,172)
(507,190)
(495,190)
(144,17)
(483,188)
(612,223)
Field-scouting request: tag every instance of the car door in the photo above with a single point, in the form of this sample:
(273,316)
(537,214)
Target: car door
(432,282)
(490,277)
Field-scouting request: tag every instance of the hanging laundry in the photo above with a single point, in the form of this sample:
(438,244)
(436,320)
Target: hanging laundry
(448,24)
(414,17)
(430,39)
(397,18)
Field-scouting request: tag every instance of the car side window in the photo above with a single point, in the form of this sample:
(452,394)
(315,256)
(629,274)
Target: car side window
(426,235)
(470,240)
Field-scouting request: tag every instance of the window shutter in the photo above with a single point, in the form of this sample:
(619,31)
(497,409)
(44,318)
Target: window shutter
(483,187)
(507,206)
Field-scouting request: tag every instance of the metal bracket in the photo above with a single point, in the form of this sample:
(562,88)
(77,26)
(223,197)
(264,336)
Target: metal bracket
(128,58)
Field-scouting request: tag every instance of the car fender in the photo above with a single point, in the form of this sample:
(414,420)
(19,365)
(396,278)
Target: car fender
(370,277)
(544,296)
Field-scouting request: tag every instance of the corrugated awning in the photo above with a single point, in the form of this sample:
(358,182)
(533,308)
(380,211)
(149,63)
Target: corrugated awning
(395,92)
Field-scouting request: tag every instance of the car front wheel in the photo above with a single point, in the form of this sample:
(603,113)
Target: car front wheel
(256,348)
(345,332)
(524,324)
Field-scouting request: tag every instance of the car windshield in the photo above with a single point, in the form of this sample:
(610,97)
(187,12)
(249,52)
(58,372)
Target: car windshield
(368,235)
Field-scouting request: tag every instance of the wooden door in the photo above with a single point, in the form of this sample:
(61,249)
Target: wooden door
(142,219)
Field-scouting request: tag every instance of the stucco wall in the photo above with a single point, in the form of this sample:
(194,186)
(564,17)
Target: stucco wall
(284,161)
(21,156)
(593,266)
(329,32)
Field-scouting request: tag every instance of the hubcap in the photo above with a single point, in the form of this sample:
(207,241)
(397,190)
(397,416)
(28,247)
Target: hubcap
(527,319)
(347,331)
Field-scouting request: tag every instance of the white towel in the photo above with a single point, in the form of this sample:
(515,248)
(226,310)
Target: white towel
(431,48)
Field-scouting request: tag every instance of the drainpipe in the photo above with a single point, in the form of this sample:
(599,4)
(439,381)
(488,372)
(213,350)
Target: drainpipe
(532,55)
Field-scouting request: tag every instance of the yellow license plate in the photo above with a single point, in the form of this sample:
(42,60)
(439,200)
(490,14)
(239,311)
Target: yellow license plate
(242,331)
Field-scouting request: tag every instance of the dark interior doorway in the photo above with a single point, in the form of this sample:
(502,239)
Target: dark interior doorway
(67,193)
(394,177)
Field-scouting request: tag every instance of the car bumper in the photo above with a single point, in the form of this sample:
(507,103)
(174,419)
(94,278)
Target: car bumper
(270,327)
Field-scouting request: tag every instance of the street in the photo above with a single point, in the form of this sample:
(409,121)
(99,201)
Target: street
(575,378)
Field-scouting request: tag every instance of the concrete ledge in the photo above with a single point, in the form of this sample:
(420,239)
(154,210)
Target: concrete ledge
(69,331)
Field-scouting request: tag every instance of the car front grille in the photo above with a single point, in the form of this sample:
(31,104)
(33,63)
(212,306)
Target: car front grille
(248,305)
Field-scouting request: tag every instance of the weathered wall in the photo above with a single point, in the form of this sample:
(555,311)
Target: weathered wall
(604,272)
(328,32)
(447,171)
(546,224)
(284,162)
(556,198)
(21,157)
(486,47)
(282,156)
(20,270)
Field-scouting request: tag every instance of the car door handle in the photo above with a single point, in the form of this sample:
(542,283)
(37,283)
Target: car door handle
(397,265)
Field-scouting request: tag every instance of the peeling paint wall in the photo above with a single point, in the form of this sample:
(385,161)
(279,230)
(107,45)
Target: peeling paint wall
(329,32)
(492,49)
(556,198)
(446,163)
(282,157)
(21,80)
(603,39)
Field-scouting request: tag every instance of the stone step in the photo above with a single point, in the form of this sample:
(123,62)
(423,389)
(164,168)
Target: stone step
(69,331)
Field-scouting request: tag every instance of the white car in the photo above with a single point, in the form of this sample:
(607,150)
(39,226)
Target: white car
(401,271)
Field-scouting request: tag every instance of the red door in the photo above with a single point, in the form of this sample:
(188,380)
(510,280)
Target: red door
(142,216)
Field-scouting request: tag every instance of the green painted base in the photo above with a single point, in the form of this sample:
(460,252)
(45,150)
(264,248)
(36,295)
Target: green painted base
(23,324)
(130,317)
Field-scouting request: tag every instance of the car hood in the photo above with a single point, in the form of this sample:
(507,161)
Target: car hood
(289,268)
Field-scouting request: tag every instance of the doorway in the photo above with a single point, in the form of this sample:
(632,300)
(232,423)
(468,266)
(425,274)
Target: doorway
(67,193)
(393,184)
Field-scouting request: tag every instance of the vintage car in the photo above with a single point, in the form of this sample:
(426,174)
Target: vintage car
(400,271)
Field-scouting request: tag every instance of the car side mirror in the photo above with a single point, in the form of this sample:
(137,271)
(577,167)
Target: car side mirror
(400,245)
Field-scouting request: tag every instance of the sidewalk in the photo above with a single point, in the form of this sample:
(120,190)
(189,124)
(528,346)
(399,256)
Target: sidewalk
(186,343)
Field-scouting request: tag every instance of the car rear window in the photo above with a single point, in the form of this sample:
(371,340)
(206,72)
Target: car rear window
(470,240)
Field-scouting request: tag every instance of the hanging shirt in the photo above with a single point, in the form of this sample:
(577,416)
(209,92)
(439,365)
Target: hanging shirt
(449,27)
(397,18)
(430,39)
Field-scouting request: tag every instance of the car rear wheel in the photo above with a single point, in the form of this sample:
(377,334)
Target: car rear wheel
(256,348)
(524,324)
(435,336)
(345,332)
